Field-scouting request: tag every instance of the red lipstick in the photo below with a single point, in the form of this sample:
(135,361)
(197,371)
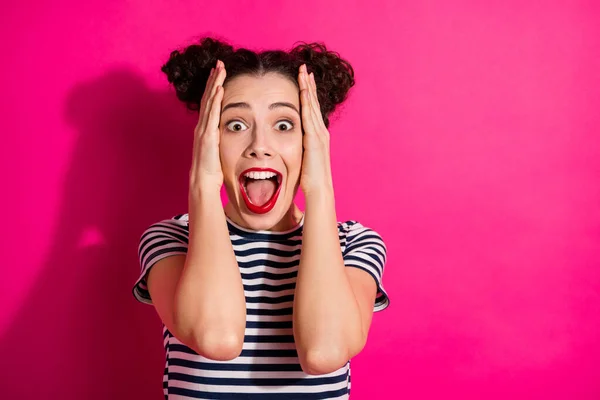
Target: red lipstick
(268,206)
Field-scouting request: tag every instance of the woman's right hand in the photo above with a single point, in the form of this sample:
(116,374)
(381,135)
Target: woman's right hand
(206,174)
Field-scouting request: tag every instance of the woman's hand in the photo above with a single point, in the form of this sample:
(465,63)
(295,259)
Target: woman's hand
(206,173)
(316,164)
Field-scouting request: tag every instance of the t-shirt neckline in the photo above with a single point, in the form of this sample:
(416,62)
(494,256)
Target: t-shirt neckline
(248,231)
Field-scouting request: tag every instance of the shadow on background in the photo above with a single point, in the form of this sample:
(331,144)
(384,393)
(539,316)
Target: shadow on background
(80,322)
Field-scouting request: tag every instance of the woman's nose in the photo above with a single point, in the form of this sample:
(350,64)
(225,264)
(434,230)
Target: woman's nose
(259,148)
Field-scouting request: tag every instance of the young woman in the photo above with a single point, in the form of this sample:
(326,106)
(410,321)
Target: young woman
(260,300)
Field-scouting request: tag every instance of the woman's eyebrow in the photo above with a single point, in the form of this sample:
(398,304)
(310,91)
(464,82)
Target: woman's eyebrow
(236,105)
(278,104)
(283,104)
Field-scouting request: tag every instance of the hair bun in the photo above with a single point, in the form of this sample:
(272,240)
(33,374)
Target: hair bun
(188,70)
(334,76)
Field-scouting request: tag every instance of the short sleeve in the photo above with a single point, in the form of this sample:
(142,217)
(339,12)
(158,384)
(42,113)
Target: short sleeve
(366,250)
(161,240)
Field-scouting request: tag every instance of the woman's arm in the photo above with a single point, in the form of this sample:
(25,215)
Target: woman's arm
(202,301)
(333,304)
(209,301)
(200,297)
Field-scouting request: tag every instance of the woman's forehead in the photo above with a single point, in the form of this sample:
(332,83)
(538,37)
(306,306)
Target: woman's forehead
(268,88)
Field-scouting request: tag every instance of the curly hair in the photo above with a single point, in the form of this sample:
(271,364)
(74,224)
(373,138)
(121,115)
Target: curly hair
(188,70)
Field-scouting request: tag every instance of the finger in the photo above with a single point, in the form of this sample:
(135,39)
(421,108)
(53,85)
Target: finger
(304,100)
(316,104)
(314,88)
(208,93)
(312,120)
(315,112)
(313,93)
(204,98)
(212,125)
(219,69)
(206,109)
(209,90)
(201,117)
(220,78)
(211,78)
(307,120)
(217,82)
(301,81)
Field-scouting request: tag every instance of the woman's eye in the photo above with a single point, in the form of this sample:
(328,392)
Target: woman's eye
(236,126)
(284,126)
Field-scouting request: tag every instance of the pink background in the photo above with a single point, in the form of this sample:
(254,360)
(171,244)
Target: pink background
(470,142)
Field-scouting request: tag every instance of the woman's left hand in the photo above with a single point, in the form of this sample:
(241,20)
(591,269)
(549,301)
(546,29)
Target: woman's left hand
(316,163)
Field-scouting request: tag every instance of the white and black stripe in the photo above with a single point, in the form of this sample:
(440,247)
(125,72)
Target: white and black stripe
(268,367)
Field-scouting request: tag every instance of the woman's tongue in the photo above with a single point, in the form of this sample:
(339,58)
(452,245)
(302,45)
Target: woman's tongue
(260,190)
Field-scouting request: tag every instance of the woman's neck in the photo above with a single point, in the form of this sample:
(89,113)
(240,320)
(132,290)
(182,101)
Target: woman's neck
(289,220)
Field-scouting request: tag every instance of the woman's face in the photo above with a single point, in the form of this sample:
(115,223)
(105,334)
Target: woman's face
(261,149)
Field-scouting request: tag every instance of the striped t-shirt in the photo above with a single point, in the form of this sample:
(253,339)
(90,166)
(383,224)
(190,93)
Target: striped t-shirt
(268,367)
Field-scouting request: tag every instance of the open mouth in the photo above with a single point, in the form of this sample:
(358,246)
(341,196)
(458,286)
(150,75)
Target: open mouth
(260,188)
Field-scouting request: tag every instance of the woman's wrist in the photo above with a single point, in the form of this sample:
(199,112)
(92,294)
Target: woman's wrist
(204,203)
(322,196)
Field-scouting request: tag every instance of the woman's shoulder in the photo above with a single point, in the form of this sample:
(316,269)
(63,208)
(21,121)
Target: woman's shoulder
(179,221)
(352,230)
(181,218)
(352,226)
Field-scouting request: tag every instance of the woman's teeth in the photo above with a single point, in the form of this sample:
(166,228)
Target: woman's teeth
(259,175)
